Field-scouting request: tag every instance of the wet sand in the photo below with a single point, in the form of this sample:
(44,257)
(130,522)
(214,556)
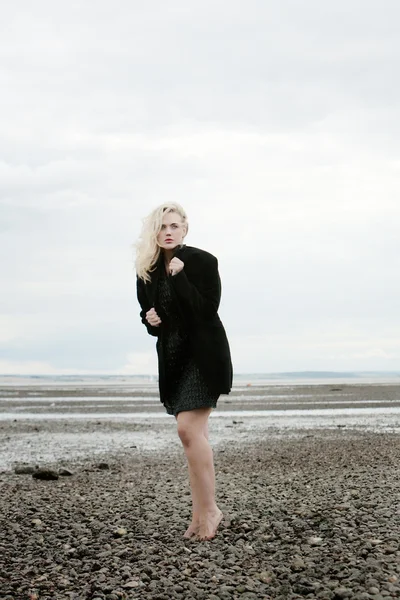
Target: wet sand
(42,424)
(310,511)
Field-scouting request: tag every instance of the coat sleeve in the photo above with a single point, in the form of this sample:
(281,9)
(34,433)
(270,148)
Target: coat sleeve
(145,306)
(199,292)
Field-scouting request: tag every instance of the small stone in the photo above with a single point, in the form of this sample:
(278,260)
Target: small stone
(131,584)
(265,576)
(340,593)
(121,531)
(298,564)
(36,522)
(46,474)
(393,579)
(103,466)
(373,590)
(315,541)
(65,473)
(24,470)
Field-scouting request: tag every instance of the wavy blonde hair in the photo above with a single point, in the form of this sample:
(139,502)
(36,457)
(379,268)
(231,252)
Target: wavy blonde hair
(147,249)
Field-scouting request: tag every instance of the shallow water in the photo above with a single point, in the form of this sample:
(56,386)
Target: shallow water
(47,424)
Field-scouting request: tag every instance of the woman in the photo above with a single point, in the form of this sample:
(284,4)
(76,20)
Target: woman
(179,290)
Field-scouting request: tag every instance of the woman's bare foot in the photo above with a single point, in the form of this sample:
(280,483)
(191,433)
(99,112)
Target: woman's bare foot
(192,530)
(208,526)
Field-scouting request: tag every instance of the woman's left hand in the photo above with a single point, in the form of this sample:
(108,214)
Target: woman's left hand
(175,266)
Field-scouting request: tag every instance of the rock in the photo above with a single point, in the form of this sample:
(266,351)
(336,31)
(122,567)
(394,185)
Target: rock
(24,469)
(315,541)
(47,474)
(36,522)
(265,576)
(131,584)
(298,564)
(341,592)
(103,466)
(65,473)
(120,532)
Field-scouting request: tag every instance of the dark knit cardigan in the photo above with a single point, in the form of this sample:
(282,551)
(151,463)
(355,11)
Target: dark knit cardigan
(197,291)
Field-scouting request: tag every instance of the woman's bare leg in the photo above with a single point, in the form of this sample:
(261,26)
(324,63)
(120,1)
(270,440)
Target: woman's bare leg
(193,432)
(194,526)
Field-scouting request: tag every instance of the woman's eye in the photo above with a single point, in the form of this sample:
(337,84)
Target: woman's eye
(174,226)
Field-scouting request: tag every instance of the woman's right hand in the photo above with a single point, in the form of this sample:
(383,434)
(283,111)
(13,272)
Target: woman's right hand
(152,318)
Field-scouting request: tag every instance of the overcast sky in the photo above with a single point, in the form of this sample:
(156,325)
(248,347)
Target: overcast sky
(275,124)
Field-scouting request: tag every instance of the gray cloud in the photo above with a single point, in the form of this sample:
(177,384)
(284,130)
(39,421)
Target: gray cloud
(276,125)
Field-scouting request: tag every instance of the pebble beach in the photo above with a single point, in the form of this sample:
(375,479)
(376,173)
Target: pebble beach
(309,512)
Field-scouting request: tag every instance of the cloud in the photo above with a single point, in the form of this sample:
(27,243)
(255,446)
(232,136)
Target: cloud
(276,126)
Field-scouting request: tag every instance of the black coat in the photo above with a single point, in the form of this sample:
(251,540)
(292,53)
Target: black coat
(197,290)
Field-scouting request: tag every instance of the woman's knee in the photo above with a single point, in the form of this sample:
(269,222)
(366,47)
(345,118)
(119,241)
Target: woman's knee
(192,424)
(186,433)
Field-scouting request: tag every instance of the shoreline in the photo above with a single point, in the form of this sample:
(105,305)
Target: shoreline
(43,425)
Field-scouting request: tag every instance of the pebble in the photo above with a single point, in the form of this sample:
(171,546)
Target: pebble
(65,473)
(119,537)
(46,474)
(24,469)
(340,593)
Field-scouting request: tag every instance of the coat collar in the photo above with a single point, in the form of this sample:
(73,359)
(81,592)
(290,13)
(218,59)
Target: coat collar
(179,253)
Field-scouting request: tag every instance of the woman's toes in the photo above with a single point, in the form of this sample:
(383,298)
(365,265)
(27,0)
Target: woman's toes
(191,530)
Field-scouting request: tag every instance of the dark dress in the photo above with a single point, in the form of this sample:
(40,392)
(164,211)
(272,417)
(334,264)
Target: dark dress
(186,389)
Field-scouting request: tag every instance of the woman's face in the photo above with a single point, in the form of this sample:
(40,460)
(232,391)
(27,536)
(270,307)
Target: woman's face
(172,232)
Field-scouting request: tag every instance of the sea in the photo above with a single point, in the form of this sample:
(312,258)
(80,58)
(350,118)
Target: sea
(289,377)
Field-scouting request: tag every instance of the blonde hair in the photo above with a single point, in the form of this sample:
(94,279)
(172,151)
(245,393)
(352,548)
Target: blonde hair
(147,249)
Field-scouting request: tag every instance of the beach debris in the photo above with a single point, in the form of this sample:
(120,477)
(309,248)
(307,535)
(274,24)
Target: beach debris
(47,474)
(25,469)
(65,473)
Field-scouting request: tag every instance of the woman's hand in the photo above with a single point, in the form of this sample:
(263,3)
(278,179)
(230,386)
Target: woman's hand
(152,318)
(175,266)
